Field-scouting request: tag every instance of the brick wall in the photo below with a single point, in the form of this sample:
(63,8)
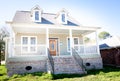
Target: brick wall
(62,65)
(14,67)
(111,56)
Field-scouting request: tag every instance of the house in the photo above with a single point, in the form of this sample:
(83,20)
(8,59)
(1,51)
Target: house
(47,42)
(110,51)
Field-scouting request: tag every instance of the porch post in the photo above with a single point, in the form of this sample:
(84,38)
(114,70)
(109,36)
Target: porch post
(13,44)
(84,51)
(71,41)
(98,50)
(47,40)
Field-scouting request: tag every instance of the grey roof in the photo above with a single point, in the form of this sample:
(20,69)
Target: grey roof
(111,42)
(47,18)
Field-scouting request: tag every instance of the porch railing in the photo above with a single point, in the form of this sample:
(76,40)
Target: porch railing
(19,50)
(29,50)
(78,59)
(86,49)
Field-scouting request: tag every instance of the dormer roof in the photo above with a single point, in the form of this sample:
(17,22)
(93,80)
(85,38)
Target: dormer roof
(46,18)
(37,7)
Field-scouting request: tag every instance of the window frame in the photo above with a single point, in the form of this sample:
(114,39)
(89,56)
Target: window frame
(37,16)
(73,43)
(29,45)
(39,13)
(65,18)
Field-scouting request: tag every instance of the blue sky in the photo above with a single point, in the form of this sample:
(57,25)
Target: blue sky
(100,13)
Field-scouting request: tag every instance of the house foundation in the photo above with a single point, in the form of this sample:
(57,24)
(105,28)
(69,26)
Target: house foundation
(61,65)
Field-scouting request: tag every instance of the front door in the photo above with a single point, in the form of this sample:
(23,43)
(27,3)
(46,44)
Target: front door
(53,46)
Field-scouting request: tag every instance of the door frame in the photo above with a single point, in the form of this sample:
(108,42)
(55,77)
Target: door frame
(58,45)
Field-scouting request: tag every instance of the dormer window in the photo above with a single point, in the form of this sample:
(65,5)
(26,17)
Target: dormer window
(36,14)
(63,17)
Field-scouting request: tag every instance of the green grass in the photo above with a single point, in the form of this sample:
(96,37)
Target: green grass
(106,74)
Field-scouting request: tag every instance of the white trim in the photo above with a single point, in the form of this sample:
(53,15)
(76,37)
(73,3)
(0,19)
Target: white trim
(47,41)
(28,45)
(98,49)
(71,40)
(34,25)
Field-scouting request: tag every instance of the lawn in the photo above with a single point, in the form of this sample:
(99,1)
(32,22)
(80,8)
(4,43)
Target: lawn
(106,74)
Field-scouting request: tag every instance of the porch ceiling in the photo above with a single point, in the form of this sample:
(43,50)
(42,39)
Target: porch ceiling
(51,31)
(29,30)
(64,31)
(82,32)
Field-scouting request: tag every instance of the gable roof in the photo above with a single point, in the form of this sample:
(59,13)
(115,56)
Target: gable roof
(47,18)
(109,43)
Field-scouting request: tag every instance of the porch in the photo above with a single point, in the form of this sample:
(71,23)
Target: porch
(59,40)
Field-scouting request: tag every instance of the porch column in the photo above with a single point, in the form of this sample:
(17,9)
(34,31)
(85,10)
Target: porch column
(71,41)
(13,43)
(47,41)
(98,49)
(84,51)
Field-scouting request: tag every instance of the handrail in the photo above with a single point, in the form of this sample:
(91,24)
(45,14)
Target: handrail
(51,62)
(78,59)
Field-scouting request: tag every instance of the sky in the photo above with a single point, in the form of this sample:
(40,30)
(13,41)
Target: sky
(96,13)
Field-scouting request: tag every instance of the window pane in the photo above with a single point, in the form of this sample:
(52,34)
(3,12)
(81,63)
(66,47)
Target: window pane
(33,40)
(24,49)
(63,17)
(68,44)
(76,41)
(36,15)
(25,40)
(32,49)
(52,47)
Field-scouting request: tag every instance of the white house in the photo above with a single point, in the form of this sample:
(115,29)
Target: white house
(49,42)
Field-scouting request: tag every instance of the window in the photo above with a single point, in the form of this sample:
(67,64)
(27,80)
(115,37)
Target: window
(25,41)
(52,45)
(75,42)
(29,44)
(63,17)
(68,44)
(37,15)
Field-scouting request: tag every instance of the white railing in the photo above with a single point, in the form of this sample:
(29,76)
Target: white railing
(42,50)
(20,50)
(86,49)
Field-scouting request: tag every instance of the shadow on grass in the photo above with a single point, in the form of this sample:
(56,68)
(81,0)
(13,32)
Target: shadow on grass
(62,76)
(106,69)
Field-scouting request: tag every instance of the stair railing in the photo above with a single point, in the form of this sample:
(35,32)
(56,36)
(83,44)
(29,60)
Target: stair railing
(78,59)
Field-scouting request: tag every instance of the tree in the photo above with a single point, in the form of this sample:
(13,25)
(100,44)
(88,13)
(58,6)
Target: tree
(86,39)
(104,35)
(3,33)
